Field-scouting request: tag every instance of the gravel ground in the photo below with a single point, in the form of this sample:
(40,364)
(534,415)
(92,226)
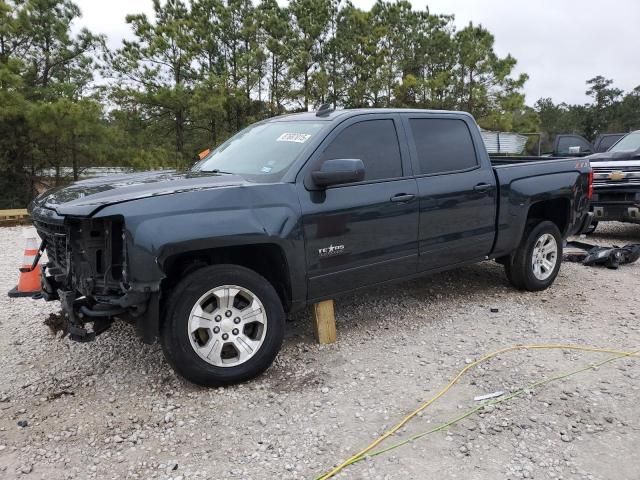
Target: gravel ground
(114,409)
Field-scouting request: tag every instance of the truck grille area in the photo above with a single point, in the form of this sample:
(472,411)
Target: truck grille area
(622,175)
(56,237)
(85,255)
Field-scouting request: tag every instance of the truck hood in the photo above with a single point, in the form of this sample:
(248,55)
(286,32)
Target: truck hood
(85,197)
(614,156)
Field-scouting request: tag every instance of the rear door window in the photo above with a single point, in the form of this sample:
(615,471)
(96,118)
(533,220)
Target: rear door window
(607,141)
(442,145)
(375,142)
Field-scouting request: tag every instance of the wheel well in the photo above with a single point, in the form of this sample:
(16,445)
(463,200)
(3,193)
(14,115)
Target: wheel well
(266,259)
(556,210)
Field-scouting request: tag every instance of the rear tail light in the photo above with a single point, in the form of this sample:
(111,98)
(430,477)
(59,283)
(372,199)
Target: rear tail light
(590,187)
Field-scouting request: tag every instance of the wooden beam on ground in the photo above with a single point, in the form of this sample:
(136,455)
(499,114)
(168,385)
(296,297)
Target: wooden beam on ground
(324,322)
(15,216)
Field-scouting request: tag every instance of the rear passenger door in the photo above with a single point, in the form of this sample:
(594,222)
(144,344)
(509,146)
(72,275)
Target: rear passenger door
(365,232)
(457,193)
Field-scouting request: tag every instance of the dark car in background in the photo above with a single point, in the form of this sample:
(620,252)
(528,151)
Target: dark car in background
(573,145)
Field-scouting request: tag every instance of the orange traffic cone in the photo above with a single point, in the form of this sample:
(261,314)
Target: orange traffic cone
(29,281)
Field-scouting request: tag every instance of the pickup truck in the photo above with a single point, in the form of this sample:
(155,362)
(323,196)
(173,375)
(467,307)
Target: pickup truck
(291,211)
(616,182)
(572,145)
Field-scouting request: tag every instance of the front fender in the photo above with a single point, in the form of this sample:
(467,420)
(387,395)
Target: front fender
(161,227)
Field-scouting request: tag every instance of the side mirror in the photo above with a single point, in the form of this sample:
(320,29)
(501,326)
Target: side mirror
(335,172)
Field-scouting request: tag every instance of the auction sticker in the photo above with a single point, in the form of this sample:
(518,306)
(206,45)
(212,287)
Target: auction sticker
(293,137)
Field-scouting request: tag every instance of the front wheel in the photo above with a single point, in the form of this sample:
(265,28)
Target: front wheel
(224,324)
(536,262)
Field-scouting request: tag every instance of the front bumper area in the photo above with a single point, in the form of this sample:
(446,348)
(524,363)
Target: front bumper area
(619,213)
(86,317)
(616,204)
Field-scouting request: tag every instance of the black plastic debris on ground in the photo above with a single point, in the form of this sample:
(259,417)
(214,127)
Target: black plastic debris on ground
(610,257)
(57,322)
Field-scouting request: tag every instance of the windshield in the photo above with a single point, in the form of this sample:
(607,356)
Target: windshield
(629,143)
(263,149)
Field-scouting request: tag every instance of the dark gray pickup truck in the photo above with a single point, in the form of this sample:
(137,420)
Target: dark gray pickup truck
(290,211)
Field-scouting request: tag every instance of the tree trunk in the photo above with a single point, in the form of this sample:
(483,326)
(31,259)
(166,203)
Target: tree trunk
(179,137)
(45,71)
(333,81)
(57,165)
(470,103)
(74,157)
(306,90)
(275,107)
(32,180)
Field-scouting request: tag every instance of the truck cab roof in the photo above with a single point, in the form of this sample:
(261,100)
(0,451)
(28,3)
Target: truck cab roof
(333,115)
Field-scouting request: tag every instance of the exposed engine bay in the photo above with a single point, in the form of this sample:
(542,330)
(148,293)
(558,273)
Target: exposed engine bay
(86,271)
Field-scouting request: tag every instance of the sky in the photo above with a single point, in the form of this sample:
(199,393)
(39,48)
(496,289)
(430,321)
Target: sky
(560,44)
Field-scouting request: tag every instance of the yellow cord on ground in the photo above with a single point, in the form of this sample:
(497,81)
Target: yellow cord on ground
(455,379)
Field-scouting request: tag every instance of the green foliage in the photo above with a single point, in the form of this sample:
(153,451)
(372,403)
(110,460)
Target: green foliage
(276,34)
(196,71)
(610,111)
(48,108)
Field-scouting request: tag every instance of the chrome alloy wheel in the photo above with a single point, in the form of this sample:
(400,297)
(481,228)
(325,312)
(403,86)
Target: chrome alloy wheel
(227,326)
(545,256)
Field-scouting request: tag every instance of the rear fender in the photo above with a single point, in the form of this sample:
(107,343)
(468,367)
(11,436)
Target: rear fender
(518,198)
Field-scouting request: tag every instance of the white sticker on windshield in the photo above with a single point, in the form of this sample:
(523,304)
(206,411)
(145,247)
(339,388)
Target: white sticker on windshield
(293,137)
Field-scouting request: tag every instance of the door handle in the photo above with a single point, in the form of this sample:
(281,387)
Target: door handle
(403,197)
(483,187)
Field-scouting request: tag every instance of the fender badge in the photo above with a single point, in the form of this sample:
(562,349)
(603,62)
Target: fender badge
(330,251)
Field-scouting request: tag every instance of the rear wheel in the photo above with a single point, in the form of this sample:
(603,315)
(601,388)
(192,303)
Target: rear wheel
(536,262)
(224,325)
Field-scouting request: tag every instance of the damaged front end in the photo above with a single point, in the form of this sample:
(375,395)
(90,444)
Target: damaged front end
(87,271)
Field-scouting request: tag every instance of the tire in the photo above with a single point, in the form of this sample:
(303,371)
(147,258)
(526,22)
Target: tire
(592,227)
(544,242)
(247,313)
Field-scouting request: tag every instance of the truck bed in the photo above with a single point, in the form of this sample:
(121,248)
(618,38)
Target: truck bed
(508,160)
(523,181)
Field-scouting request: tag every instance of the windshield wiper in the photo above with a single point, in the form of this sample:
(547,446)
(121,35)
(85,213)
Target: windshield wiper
(216,170)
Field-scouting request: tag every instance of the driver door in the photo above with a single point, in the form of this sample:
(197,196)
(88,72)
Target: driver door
(365,232)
